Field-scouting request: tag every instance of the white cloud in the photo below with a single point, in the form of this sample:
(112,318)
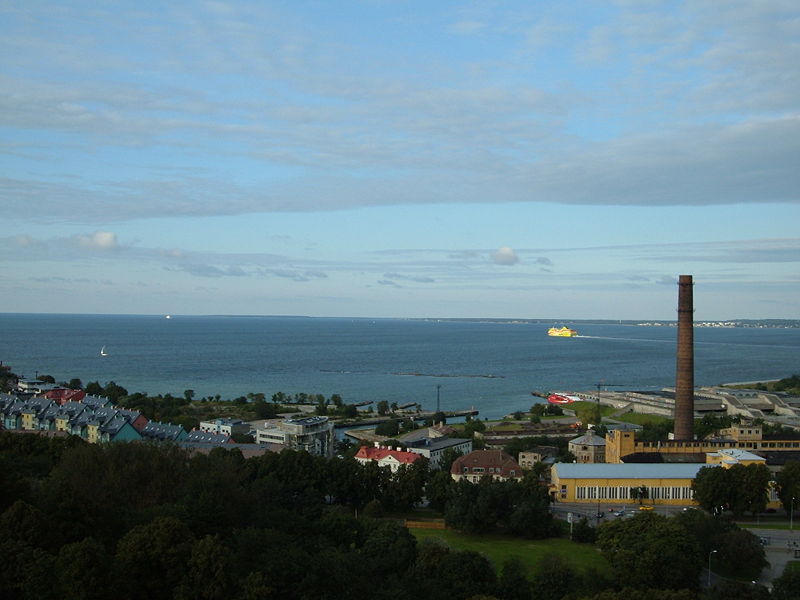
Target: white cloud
(103,240)
(505,256)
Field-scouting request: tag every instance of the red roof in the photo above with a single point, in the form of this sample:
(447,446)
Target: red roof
(371,453)
(487,462)
(62,395)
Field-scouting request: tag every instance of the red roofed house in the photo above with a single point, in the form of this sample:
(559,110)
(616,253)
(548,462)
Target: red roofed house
(480,463)
(386,457)
(63,395)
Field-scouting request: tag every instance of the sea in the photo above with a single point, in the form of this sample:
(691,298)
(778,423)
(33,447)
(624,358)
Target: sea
(491,366)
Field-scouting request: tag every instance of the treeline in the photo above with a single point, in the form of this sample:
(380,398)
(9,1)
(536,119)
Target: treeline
(151,521)
(135,521)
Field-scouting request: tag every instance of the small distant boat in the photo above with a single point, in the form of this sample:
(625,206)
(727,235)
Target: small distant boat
(563,399)
(168,317)
(103,351)
(561,332)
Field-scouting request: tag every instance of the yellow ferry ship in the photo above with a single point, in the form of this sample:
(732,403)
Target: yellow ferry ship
(561,332)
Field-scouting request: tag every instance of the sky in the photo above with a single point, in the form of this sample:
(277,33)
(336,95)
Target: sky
(400,158)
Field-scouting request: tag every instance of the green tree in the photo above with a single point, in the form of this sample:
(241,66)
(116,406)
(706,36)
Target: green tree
(554,578)
(208,571)
(93,388)
(389,428)
(513,582)
(83,569)
(649,550)
(188,395)
(788,481)
(75,384)
(787,586)
(438,489)
(383,407)
(713,488)
(643,594)
(151,559)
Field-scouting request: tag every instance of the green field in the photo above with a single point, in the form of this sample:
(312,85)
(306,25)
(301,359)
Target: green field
(579,406)
(498,548)
(640,419)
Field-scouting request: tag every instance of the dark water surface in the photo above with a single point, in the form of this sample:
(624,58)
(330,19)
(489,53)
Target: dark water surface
(491,366)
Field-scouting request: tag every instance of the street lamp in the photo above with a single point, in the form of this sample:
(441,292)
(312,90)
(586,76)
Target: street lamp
(791,514)
(709,567)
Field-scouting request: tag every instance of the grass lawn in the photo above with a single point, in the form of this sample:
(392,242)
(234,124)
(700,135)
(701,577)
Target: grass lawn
(640,419)
(604,410)
(498,548)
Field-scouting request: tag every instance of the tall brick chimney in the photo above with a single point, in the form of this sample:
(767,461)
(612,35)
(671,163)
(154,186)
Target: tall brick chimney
(684,373)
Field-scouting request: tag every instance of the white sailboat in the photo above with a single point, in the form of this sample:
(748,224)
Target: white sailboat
(103,351)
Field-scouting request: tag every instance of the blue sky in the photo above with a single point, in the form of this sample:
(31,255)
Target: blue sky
(400,158)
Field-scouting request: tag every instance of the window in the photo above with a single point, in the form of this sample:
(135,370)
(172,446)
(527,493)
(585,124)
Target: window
(580,493)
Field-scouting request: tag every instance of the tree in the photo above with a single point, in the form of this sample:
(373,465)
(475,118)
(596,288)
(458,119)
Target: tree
(383,407)
(583,532)
(389,428)
(739,489)
(93,388)
(207,575)
(151,559)
(649,550)
(554,578)
(83,570)
(75,384)
(513,583)
(787,586)
(114,392)
(438,489)
(788,480)
(188,394)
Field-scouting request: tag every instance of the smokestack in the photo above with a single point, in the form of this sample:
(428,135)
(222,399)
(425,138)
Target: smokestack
(684,373)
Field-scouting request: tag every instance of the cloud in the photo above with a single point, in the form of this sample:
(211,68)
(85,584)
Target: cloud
(505,256)
(414,278)
(542,260)
(104,240)
(199,270)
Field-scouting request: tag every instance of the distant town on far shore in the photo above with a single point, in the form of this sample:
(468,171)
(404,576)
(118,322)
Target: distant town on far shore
(752,323)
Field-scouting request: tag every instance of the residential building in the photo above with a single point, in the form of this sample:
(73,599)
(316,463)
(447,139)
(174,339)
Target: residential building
(540,454)
(430,443)
(393,458)
(482,463)
(225,426)
(315,435)
(163,432)
(207,437)
(588,448)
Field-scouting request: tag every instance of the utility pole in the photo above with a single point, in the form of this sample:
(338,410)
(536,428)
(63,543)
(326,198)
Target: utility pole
(438,387)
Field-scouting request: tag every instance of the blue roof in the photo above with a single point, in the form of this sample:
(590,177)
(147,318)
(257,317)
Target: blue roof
(628,470)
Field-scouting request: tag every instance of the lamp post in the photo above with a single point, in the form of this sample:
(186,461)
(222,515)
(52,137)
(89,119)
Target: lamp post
(709,567)
(791,514)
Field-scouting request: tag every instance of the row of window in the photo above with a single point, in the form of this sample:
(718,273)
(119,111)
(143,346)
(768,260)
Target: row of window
(497,470)
(601,492)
